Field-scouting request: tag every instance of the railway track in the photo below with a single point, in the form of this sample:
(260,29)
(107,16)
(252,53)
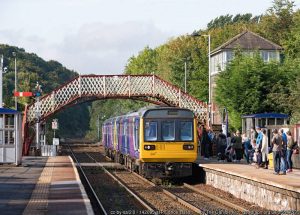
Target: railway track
(164,200)
(109,197)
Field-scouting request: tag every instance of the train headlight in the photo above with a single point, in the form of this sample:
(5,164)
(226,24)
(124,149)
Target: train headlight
(149,147)
(188,147)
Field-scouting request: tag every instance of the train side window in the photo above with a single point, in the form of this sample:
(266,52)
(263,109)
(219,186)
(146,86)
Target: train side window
(151,131)
(168,130)
(186,131)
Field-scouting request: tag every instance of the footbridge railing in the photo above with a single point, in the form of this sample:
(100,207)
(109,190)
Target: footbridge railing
(92,87)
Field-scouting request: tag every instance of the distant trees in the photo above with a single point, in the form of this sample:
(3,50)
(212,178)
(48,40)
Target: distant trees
(224,20)
(50,74)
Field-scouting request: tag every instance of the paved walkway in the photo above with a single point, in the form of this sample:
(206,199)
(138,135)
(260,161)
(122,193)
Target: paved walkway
(290,181)
(42,186)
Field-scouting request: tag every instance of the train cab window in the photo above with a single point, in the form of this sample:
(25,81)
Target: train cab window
(151,131)
(168,130)
(186,131)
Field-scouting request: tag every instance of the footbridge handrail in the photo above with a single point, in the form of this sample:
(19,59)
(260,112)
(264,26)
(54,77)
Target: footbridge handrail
(149,88)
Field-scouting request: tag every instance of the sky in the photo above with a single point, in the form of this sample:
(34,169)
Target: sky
(99,36)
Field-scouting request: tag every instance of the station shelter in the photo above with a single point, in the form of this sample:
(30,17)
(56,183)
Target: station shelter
(10,136)
(264,120)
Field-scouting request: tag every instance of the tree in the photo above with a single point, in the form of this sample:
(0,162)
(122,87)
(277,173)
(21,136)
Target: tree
(144,63)
(244,86)
(276,24)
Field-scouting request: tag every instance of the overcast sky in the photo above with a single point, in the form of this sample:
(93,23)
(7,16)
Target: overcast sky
(98,36)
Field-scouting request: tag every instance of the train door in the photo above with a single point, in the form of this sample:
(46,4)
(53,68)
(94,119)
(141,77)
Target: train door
(136,134)
(125,130)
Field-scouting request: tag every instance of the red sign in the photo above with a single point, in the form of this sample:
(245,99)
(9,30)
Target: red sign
(23,94)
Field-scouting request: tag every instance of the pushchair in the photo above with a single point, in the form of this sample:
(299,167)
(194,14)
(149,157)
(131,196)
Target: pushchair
(229,154)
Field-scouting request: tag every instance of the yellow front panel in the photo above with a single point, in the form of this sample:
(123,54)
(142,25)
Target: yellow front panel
(167,151)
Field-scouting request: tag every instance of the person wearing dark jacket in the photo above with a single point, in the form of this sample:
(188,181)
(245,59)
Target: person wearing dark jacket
(289,152)
(221,146)
(277,147)
(206,143)
(237,146)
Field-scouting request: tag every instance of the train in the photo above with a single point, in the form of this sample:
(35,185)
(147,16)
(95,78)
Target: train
(155,142)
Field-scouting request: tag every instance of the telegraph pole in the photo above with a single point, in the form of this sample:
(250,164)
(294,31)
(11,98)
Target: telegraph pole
(2,71)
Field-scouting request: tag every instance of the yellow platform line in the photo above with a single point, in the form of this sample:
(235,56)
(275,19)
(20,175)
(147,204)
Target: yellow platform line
(38,203)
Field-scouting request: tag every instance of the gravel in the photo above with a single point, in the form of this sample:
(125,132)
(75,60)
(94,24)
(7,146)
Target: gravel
(154,196)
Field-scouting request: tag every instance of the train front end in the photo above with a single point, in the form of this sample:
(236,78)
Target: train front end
(169,143)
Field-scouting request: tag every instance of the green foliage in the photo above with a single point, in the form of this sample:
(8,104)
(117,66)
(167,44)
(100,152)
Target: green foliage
(277,23)
(294,100)
(50,74)
(222,21)
(144,63)
(292,43)
(247,84)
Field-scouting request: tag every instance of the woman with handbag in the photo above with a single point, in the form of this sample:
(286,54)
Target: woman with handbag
(290,145)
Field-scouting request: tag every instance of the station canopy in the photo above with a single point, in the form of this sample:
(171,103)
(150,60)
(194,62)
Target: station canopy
(266,115)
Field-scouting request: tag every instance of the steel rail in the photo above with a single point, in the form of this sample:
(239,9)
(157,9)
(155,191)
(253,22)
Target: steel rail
(192,207)
(88,182)
(172,196)
(142,202)
(180,200)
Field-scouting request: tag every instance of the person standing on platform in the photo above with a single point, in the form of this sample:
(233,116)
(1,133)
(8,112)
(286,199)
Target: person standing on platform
(289,152)
(258,145)
(253,135)
(276,148)
(199,131)
(259,137)
(237,146)
(206,143)
(247,147)
(221,146)
(211,136)
(283,162)
(264,149)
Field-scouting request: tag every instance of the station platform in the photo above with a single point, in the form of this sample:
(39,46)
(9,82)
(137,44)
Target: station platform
(255,185)
(42,185)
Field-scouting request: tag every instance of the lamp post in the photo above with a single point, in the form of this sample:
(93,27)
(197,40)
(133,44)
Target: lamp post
(185,74)
(16,98)
(195,34)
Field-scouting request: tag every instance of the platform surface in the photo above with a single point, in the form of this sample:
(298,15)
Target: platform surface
(290,181)
(42,185)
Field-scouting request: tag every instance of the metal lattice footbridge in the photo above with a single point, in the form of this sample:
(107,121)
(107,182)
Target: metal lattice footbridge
(148,88)
(91,87)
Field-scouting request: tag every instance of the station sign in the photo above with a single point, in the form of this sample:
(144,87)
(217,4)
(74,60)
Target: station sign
(55,124)
(55,142)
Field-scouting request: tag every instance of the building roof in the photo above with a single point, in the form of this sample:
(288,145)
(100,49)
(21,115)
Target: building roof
(8,111)
(267,115)
(248,40)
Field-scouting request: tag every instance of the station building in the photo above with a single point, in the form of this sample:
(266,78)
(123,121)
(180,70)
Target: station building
(249,43)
